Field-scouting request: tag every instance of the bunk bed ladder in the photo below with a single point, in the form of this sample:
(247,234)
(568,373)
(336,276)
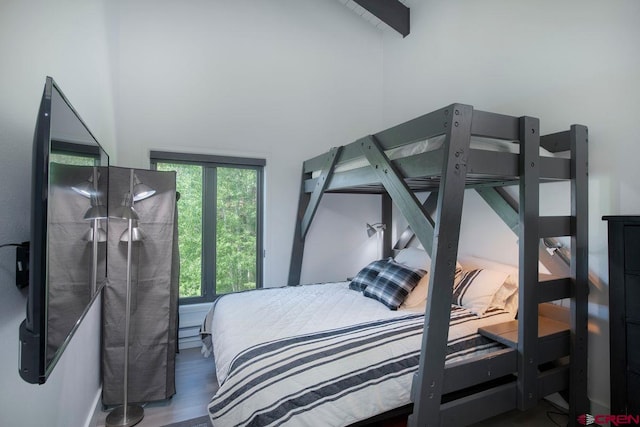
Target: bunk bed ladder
(574,266)
(428,383)
(576,141)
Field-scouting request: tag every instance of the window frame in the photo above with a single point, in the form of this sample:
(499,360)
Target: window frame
(209,163)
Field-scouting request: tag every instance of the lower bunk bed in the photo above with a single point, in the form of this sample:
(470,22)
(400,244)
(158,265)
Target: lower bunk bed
(335,355)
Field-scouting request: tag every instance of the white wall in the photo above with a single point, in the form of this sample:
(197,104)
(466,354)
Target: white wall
(283,80)
(563,62)
(65,40)
(337,245)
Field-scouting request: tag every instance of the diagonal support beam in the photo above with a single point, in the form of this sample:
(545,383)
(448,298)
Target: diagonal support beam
(400,193)
(391,12)
(307,207)
(430,205)
(321,185)
(507,209)
(503,205)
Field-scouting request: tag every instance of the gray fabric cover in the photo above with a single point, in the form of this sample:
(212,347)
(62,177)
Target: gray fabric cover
(154,293)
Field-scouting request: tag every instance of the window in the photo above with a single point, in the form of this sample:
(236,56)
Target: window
(219,222)
(70,153)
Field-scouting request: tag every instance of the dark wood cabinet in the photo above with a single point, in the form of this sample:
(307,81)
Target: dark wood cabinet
(624,313)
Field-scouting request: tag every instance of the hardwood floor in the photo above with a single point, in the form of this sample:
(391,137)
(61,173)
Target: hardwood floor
(545,414)
(195,385)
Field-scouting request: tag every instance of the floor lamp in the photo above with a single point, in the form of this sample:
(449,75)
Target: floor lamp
(129,414)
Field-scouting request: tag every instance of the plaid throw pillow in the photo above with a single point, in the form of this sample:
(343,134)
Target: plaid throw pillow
(367,275)
(393,284)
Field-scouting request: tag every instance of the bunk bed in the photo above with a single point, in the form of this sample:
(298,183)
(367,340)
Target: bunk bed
(444,153)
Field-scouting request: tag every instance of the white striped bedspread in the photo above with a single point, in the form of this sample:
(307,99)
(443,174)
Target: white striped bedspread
(329,375)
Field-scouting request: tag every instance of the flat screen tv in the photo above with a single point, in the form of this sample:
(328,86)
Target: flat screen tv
(67,265)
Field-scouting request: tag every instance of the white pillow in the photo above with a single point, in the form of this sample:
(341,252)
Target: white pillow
(473,263)
(476,289)
(503,298)
(507,296)
(416,258)
(470,261)
(418,295)
(511,303)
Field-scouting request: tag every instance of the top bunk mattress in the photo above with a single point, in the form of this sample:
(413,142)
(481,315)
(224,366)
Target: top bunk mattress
(417,151)
(434,144)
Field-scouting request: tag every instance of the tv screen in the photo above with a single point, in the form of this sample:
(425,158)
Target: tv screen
(67,265)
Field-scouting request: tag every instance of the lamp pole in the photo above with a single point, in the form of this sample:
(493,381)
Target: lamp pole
(127,415)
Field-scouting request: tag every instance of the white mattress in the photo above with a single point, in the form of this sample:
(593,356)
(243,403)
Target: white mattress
(281,312)
(432,145)
(242,324)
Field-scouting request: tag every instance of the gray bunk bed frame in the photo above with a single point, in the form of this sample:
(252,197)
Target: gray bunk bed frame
(538,359)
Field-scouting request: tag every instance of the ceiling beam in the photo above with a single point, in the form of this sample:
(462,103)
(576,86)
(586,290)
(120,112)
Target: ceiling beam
(391,12)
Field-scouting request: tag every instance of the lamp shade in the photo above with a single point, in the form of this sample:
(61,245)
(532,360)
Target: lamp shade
(97,209)
(125,210)
(374,228)
(141,191)
(88,188)
(89,236)
(96,212)
(136,233)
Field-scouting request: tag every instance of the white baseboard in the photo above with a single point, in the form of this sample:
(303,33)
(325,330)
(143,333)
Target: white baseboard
(557,400)
(191,317)
(92,418)
(189,342)
(596,408)
(193,314)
